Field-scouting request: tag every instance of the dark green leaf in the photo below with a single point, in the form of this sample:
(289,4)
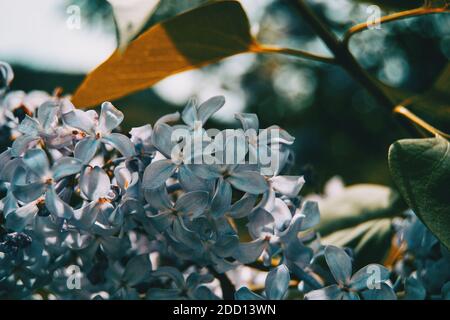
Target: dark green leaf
(421,170)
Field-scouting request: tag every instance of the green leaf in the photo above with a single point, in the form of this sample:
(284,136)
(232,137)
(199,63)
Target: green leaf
(355,205)
(434,104)
(193,39)
(421,170)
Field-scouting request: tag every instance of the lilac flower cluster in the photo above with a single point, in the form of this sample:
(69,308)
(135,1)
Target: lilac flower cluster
(130,220)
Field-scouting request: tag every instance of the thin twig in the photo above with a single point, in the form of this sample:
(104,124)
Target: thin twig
(263,48)
(419,122)
(345,59)
(392,17)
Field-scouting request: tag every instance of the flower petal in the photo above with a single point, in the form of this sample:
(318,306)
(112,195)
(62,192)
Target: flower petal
(110,118)
(287,185)
(332,292)
(162,139)
(137,270)
(121,143)
(248,121)
(243,207)
(86,149)
(277,282)
(248,181)
(94,183)
(56,206)
(22,143)
(339,263)
(47,114)
(221,201)
(157,173)
(370,275)
(384,293)
(37,161)
(281,214)
(249,251)
(245,293)
(192,203)
(189,114)
(209,107)
(261,223)
(80,120)
(66,166)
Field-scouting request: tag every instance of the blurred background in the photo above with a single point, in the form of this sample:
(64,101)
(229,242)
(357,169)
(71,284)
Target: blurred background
(339,128)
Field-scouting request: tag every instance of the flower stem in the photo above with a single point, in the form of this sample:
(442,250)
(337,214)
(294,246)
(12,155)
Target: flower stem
(263,48)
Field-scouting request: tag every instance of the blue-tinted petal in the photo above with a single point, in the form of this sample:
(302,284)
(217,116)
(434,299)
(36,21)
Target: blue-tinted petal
(248,121)
(209,107)
(248,181)
(245,293)
(287,185)
(29,126)
(339,263)
(189,114)
(28,192)
(384,293)
(370,275)
(6,75)
(65,167)
(185,236)
(204,293)
(115,247)
(94,183)
(310,215)
(85,216)
(261,223)
(205,171)
(162,221)
(415,290)
(226,245)
(163,294)
(22,143)
(192,203)
(221,201)
(162,139)
(137,270)
(277,282)
(243,207)
(36,160)
(110,118)
(170,272)
(156,174)
(158,198)
(121,143)
(249,251)
(86,149)
(56,206)
(350,296)
(80,120)
(297,253)
(191,182)
(332,292)
(47,114)
(18,219)
(281,214)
